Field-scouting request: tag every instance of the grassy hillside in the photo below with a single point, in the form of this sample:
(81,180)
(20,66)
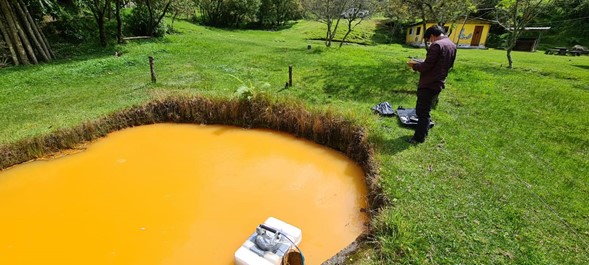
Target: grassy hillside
(503,177)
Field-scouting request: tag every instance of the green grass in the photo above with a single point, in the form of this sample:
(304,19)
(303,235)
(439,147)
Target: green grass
(503,177)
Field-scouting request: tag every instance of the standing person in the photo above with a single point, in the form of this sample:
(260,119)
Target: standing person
(433,71)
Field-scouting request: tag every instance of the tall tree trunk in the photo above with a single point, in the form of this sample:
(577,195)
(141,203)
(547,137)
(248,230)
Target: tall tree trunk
(101,30)
(174,19)
(26,42)
(44,44)
(32,36)
(347,33)
(514,34)
(351,27)
(22,35)
(150,26)
(13,32)
(461,29)
(396,26)
(154,20)
(328,34)
(6,35)
(509,58)
(423,29)
(98,9)
(119,22)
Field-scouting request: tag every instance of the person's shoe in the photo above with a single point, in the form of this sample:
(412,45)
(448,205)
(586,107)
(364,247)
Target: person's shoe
(414,141)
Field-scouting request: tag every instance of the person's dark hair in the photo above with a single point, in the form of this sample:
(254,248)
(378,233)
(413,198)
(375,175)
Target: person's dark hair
(435,30)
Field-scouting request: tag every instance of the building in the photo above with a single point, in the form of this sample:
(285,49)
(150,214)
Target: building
(530,42)
(471,33)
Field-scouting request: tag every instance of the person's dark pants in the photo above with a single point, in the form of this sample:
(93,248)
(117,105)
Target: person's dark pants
(425,100)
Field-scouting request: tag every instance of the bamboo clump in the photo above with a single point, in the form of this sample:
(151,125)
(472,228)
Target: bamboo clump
(22,39)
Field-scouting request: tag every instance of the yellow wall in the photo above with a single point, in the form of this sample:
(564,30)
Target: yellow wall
(415,39)
(412,37)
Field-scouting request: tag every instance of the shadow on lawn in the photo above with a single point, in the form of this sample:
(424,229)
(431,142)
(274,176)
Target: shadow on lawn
(251,26)
(67,53)
(586,67)
(393,146)
(383,33)
(388,128)
(374,83)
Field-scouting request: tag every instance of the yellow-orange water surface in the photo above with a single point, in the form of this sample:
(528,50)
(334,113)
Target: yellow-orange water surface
(177,194)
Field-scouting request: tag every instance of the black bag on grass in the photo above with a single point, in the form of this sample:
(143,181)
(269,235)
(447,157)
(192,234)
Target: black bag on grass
(408,117)
(384,109)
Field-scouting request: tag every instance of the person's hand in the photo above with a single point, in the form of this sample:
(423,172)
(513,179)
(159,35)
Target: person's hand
(411,63)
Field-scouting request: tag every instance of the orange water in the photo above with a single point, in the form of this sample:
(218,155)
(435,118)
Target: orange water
(177,194)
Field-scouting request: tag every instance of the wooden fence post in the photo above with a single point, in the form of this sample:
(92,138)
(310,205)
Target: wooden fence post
(153,79)
(290,75)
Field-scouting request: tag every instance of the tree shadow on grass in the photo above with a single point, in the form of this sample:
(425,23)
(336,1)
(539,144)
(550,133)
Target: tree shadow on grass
(586,67)
(393,146)
(100,60)
(66,53)
(382,32)
(70,52)
(500,70)
(251,26)
(366,83)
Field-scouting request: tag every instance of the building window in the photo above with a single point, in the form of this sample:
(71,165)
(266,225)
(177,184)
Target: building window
(410,31)
(418,31)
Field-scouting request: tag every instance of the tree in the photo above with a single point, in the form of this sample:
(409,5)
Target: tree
(568,21)
(328,12)
(24,40)
(211,11)
(273,13)
(99,9)
(242,11)
(441,12)
(228,12)
(157,10)
(181,7)
(360,10)
(151,12)
(514,16)
(398,12)
(118,5)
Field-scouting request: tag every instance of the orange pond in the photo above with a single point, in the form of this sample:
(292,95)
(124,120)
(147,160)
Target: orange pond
(177,194)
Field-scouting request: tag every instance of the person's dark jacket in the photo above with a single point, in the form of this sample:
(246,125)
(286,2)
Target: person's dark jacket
(440,58)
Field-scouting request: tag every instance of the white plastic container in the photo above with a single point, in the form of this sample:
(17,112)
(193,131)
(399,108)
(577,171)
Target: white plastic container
(250,254)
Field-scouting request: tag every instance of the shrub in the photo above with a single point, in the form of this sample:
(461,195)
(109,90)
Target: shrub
(274,13)
(137,23)
(71,28)
(224,13)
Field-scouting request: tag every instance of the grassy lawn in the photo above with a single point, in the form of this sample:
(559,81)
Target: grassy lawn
(503,177)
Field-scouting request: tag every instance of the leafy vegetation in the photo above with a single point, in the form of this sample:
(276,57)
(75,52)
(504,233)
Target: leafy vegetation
(502,178)
(568,22)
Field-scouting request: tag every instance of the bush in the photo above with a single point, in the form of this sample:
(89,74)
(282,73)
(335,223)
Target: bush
(496,40)
(137,23)
(72,29)
(274,13)
(225,13)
